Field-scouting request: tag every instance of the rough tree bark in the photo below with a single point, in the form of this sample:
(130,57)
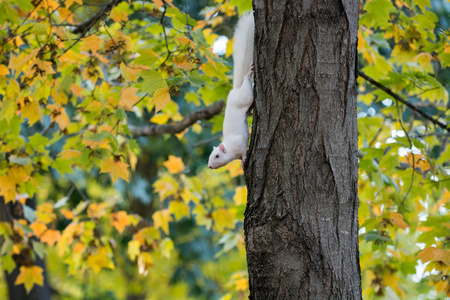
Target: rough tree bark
(301,221)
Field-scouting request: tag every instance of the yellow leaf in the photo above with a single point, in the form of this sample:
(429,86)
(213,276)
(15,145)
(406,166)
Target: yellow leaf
(7,188)
(397,220)
(166,246)
(178,209)
(235,168)
(129,73)
(241,284)
(117,169)
(226,297)
(174,164)
(4,70)
(240,196)
(134,248)
(120,220)
(91,43)
(160,119)
(30,109)
(161,98)
(69,154)
(99,260)
(161,220)
(40,68)
(96,210)
(51,236)
(223,219)
(128,98)
(118,15)
(29,276)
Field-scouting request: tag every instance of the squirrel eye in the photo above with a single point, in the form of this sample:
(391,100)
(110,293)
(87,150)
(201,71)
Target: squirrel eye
(217,156)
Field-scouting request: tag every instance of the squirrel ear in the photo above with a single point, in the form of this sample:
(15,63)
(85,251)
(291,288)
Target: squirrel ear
(222,148)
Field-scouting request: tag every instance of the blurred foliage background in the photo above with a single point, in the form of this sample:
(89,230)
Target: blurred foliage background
(93,181)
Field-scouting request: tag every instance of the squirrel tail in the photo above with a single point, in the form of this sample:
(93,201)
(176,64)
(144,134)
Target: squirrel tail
(243,48)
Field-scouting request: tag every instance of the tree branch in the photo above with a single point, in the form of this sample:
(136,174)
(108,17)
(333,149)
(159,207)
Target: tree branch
(405,102)
(202,114)
(86,25)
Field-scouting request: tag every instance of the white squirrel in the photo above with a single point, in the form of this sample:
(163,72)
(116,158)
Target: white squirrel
(235,131)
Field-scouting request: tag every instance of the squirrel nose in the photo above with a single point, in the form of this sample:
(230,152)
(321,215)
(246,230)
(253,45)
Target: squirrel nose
(210,167)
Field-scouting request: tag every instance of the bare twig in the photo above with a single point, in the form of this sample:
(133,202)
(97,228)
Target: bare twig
(202,114)
(412,153)
(405,102)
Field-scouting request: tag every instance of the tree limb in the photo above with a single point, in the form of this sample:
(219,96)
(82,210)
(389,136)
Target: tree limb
(201,114)
(405,102)
(86,25)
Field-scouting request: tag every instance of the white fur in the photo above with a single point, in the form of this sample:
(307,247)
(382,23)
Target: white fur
(240,98)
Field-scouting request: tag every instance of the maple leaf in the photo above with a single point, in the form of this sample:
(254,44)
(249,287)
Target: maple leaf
(7,188)
(68,154)
(174,164)
(91,43)
(118,15)
(99,260)
(51,236)
(128,98)
(178,209)
(130,74)
(30,109)
(29,276)
(40,68)
(397,220)
(161,220)
(240,197)
(67,214)
(161,98)
(4,70)
(117,169)
(120,220)
(223,219)
(38,228)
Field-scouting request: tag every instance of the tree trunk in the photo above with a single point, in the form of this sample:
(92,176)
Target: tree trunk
(301,221)
(8,212)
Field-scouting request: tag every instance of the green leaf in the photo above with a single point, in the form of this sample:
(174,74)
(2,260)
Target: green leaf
(38,142)
(152,81)
(8,263)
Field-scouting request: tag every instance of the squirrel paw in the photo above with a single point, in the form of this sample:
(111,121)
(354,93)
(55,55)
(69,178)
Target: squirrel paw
(252,66)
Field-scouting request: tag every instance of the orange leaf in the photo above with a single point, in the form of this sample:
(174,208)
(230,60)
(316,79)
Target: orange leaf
(128,98)
(29,276)
(397,220)
(117,169)
(426,254)
(120,220)
(4,70)
(67,214)
(51,236)
(38,228)
(174,164)
(41,68)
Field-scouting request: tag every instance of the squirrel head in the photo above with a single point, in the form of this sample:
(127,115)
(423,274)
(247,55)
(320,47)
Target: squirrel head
(219,157)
